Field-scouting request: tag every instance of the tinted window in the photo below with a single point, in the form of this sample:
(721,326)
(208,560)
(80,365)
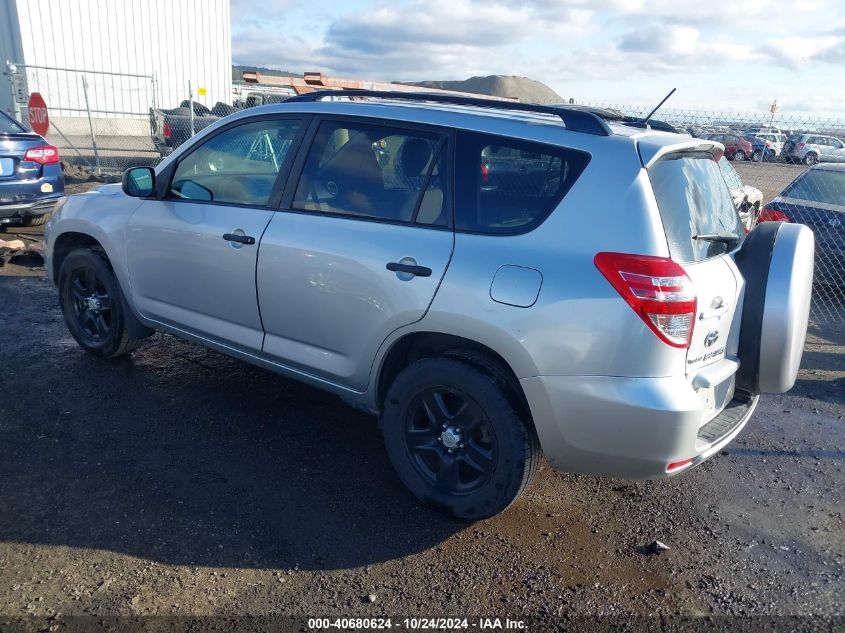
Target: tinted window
(693,200)
(819,185)
(238,166)
(510,186)
(9,125)
(377,172)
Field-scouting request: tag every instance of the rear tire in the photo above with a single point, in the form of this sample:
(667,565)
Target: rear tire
(757,156)
(456,440)
(35,220)
(810,159)
(93,306)
(739,155)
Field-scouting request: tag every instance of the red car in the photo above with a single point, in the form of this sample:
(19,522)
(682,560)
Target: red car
(736,147)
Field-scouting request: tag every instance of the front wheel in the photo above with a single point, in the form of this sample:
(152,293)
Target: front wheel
(93,306)
(456,440)
(757,156)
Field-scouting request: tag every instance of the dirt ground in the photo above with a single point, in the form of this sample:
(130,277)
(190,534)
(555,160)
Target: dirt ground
(180,481)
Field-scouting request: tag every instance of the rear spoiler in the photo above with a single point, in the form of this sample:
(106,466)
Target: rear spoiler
(651,152)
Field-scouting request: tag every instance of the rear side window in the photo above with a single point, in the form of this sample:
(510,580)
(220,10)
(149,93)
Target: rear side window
(694,200)
(507,186)
(729,173)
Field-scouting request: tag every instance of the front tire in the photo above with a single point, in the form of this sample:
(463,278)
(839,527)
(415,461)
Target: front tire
(456,439)
(93,306)
(757,156)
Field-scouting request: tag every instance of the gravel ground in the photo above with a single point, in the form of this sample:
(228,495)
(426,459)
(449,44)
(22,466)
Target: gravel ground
(770,178)
(180,481)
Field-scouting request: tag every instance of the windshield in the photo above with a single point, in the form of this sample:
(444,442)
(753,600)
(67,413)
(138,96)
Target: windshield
(9,125)
(694,201)
(819,185)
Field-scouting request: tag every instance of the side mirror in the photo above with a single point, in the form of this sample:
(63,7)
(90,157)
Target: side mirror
(139,182)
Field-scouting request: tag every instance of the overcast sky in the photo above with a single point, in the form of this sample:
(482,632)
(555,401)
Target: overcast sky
(731,56)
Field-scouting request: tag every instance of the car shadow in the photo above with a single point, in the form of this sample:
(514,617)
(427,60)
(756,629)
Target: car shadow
(184,456)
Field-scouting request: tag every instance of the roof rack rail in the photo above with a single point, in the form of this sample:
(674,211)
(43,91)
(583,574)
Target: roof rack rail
(574,119)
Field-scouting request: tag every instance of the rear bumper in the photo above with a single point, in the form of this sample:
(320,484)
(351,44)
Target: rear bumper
(10,213)
(628,427)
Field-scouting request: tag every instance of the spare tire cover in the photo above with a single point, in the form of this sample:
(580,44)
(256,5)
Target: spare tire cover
(776,262)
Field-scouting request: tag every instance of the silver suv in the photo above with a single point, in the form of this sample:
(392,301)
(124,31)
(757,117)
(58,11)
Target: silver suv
(815,148)
(488,278)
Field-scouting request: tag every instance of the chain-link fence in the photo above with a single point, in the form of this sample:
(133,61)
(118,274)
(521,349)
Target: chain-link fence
(789,168)
(99,120)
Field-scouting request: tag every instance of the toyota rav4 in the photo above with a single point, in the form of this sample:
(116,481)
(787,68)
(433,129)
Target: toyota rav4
(490,279)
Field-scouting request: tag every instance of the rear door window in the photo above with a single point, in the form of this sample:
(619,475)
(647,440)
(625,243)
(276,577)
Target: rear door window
(694,201)
(375,171)
(509,186)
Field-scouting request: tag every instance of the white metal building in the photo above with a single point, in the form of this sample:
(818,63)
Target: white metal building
(155,48)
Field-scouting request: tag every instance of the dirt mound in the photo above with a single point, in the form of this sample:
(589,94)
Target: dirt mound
(526,90)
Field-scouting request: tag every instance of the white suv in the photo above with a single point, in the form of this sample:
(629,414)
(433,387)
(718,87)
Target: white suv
(491,279)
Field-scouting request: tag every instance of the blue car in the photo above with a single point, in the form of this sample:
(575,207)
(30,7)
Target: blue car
(30,175)
(817,198)
(761,149)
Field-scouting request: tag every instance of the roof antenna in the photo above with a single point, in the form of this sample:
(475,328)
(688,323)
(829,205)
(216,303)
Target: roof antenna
(665,99)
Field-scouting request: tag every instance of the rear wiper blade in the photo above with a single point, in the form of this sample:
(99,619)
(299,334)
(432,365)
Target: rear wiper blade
(717,237)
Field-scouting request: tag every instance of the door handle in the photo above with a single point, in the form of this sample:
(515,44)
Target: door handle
(242,239)
(419,271)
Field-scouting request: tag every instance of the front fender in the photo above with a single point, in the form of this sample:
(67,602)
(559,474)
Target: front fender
(102,215)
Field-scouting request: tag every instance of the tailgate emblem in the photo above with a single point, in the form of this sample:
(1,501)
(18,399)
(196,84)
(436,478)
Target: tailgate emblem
(711,338)
(834,222)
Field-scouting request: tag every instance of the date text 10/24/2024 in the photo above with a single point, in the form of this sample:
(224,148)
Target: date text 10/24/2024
(417,623)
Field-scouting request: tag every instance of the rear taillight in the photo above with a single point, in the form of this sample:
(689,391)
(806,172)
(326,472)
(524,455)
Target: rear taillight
(658,290)
(485,173)
(772,215)
(800,145)
(43,155)
(167,131)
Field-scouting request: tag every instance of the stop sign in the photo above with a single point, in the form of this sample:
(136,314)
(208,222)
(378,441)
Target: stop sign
(38,118)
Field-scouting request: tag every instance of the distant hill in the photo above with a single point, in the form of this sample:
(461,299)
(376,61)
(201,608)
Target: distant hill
(237,70)
(526,90)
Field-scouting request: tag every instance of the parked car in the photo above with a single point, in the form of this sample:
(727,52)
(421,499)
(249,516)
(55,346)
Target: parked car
(31,180)
(748,200)
(736,147)
(816,148)
(762,149)
(589,309)
(816,198)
